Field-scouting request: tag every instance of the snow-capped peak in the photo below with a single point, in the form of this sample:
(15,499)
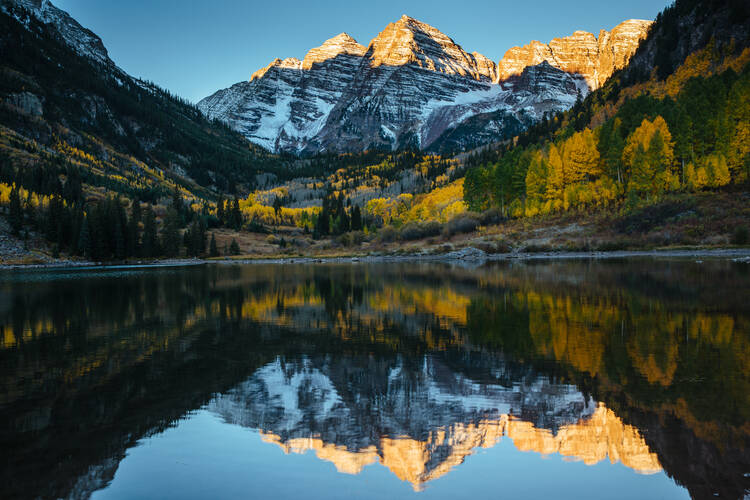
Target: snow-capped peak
(414,86)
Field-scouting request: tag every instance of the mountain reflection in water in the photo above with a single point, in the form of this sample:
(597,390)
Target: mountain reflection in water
(413,366)
(420,420)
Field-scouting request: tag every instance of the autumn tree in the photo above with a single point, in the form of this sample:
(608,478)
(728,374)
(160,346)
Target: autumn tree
(648,156)
(556,179)
(536,178)
(738,111)
(580,158)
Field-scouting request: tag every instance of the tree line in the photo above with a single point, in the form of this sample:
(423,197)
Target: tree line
(108,229)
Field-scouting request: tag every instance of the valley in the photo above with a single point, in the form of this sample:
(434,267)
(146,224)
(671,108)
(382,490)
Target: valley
(409,145)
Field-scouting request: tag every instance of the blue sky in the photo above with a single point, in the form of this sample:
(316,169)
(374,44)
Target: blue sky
(194,48)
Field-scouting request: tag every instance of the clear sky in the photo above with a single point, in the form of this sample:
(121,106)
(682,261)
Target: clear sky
(194,48)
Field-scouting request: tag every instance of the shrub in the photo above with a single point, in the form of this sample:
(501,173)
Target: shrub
(492,247)
(387,234)
(537,248)
(740,236)
(358,237)
(503,246)
(416,230)
(647,218)
(491,216)
(345,239)
(465,223)
(256,227)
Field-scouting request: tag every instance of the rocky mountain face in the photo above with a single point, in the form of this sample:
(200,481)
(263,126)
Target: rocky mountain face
(289,100)
(595,59)
(413,86)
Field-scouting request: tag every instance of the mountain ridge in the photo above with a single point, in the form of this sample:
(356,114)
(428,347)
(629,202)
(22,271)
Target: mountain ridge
(411,86)
(82,40)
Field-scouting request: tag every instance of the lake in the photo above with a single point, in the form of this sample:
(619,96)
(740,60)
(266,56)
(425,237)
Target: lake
(564,378)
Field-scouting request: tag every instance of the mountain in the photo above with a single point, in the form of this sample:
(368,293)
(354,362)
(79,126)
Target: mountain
(289,99)
(67,111)
(413,86)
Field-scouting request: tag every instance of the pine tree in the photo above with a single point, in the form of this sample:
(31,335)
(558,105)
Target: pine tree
(234,248)
(134,244)
(52,218)
(170,234)
(177,203)
(16,212)
(344,224)
(120,222)
(277,206)
(236,215)
(84,239)
(220,211)
(194,238)
(150,243)
(213,250)
(356,218)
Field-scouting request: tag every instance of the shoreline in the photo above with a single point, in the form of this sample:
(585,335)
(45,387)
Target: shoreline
(465,255)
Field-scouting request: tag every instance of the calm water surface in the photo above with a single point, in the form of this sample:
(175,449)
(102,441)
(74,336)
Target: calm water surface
(563,379)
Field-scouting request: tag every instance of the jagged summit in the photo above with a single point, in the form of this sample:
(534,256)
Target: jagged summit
(341,44)
(333,47)
(288,63)
(408,41)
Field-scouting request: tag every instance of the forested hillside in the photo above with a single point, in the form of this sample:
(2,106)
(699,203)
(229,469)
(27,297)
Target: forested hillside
(661,126)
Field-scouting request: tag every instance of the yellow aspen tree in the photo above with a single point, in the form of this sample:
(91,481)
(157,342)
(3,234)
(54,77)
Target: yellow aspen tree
(739,145)
(718,171)
(648,155)
(536,178)
(581,157)
(556,179)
